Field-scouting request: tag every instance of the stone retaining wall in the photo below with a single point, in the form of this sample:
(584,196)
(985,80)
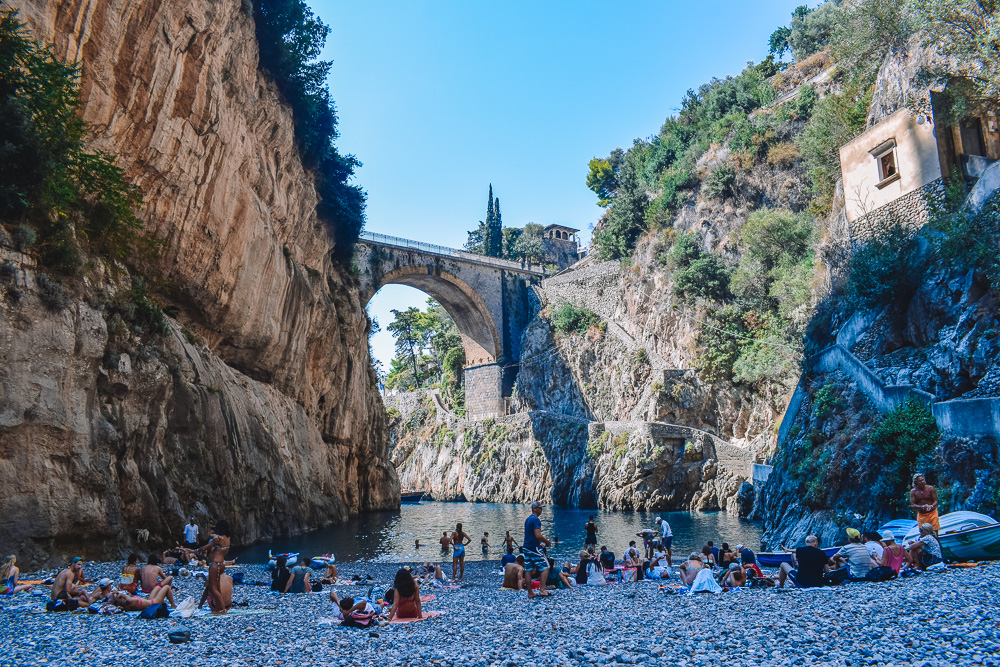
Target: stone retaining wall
(911,211)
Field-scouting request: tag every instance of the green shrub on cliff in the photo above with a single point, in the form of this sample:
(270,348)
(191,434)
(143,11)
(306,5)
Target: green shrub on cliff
(569,318)
(76,200)
(905,436)
(291,38)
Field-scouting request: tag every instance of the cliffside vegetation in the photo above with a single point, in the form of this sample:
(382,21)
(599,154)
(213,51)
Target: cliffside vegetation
(64,203)
(291,38)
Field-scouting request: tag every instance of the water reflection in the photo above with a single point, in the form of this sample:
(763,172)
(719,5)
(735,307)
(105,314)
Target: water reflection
(389,536)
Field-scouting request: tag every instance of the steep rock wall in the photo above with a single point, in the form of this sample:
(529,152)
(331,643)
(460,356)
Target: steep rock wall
(172,90)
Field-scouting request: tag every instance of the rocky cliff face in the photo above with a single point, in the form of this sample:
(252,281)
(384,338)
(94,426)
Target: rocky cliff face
(274,421)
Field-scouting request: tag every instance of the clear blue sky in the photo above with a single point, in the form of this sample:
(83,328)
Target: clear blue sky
(440,99)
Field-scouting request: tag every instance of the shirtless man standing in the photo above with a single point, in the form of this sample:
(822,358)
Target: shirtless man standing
(508,541)
(924,501)
(152,577)
(459,540)
(62,587)
(445,541)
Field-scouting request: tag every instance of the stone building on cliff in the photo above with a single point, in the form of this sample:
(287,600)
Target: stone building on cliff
(562,245)
(893,170)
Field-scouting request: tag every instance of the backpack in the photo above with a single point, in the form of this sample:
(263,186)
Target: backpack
(155,611)
(880,573)
(837,576)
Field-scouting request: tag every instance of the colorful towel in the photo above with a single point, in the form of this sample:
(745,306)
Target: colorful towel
(427,614)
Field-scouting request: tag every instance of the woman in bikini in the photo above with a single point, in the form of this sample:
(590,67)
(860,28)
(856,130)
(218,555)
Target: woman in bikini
(689,569)
(459,540)
(406,596)
(9,576)
(129,580)
(218,586)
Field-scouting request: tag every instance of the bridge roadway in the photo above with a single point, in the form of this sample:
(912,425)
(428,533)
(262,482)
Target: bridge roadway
(373,238)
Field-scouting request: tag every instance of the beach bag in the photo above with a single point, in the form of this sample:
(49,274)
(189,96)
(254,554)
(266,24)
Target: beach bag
(237,578)
(187,608)
(317,586)
(155,611)
(881,573)
(179,636)
(838,576)
(358,620)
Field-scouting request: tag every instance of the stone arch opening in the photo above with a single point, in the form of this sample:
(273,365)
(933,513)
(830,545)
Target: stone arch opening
(480,338)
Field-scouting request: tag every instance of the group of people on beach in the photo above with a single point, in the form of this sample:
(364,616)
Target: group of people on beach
(68,590)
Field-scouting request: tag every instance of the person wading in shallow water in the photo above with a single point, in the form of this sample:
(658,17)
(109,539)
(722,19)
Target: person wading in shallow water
(459,540)
(924,501)
(591,539)
(535,562)
(445,542)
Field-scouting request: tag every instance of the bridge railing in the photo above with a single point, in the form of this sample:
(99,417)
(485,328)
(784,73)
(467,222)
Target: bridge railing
(434,249)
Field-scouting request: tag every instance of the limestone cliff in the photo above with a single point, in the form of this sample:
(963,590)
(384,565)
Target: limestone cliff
(272,422)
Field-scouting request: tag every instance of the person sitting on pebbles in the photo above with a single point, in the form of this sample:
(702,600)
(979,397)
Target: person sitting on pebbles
(218,590)
(330,576)
(926,551)
(9,577)
(430,572)
(513,575)
(63,587)
(688,570)
(735,576)
(128,580)
(101,593)
(405,596)
(152,577)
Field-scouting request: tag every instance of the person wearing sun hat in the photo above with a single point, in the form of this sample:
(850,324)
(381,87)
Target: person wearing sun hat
(893,555)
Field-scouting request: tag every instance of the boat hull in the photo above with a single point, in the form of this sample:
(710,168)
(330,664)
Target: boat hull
(981,543)
(413,497)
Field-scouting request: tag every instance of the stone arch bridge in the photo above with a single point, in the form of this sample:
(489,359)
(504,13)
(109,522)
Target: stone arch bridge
(490,300)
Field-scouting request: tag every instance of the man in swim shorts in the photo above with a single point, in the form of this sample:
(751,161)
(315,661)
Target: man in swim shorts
(459,541)
(445,541)
(591,533)
(666,539)
(63,587)
(924,501)
(535,562)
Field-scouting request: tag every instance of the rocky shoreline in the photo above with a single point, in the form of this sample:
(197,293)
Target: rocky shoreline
(948,618)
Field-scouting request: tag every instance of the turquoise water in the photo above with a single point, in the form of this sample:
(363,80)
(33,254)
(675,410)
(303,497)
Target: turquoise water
(389,536)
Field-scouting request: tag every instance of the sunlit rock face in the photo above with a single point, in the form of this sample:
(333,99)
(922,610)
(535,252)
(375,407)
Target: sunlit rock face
(272,419)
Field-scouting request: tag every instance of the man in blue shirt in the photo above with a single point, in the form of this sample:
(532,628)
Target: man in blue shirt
(535,561)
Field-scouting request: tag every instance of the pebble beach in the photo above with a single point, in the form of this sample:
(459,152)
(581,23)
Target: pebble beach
(935,619)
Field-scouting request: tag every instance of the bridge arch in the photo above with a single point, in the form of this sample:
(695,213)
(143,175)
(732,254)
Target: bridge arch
(480,337)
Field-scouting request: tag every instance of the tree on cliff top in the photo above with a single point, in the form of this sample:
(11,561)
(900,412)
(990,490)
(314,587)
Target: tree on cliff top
(290,39)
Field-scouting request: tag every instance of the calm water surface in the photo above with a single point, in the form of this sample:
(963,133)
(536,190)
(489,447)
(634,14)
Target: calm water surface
(389,536)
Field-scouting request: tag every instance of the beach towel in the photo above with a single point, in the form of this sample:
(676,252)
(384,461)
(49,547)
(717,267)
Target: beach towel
(705,583)
(427,614)
(427,597)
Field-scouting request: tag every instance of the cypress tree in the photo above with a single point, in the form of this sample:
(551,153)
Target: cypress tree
(493,238)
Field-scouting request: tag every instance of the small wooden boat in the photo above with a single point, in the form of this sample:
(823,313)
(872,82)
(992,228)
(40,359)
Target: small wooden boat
(776,558)
(953,522)
(411,496)
(272,559)
(982,543)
